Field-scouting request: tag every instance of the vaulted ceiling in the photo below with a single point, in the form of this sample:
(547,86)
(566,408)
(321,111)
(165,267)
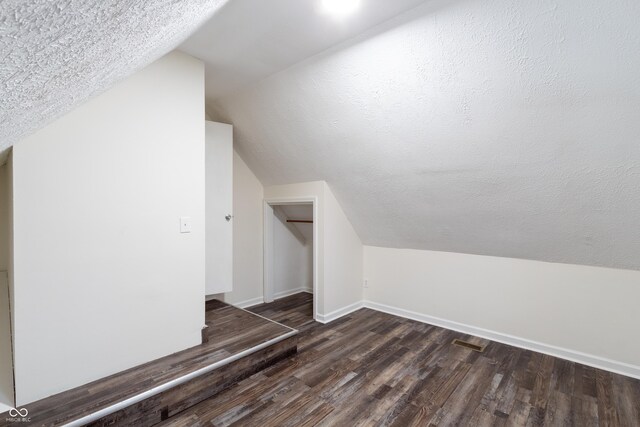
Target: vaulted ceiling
(249,40)
(56,54)
(488,127)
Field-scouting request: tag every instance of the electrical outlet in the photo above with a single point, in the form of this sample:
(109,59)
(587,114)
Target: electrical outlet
(366,283)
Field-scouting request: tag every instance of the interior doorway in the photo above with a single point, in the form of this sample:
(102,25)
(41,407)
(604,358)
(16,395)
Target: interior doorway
(290,250)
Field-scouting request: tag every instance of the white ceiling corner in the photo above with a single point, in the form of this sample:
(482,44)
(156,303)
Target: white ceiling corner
(249,40)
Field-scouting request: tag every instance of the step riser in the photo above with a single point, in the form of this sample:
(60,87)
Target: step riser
(168,403)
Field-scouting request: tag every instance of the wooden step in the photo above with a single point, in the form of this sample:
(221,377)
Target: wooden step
(239,344)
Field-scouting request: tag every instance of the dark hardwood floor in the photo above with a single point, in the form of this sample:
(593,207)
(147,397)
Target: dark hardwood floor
(230,332)
(371,368)
(295,311)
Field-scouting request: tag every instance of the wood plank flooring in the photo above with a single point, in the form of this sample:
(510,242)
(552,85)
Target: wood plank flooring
(295,311)
(230,331)
(370,368)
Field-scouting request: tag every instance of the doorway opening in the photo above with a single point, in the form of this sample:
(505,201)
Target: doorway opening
(290,253)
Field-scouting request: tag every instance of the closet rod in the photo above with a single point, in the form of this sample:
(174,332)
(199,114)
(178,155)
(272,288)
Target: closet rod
(305,221)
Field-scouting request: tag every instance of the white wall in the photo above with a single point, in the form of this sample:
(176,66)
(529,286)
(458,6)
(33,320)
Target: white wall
(248,195)
(588,314)
(308,263)
(104,280)
(6,363)
(339,258)
(342,258)
(5,212)
(293,260)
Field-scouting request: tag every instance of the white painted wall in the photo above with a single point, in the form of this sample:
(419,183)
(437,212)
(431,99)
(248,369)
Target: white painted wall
(5,212)
(248,195)
(308,262)
(342,258)
(6,361)
(339,258)
(589,314)
(104,280)
(293,260)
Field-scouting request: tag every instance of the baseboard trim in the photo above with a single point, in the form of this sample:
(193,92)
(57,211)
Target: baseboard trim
(326,318)
(284,294)
(260,300)
(247,303)
(621,368)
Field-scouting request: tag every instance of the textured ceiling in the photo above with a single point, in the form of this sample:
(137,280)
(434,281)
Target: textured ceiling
(252,39)
(489,127)
(56,54)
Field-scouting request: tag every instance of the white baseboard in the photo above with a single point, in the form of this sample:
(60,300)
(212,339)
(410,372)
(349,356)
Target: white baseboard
(248,303)
(288,292)
(260,300)
(326,318)
(610,365)
(563,353)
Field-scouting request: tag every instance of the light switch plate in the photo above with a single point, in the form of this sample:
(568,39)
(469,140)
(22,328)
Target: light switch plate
(185,224)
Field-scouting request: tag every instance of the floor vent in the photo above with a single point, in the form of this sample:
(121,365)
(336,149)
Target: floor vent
(465,344)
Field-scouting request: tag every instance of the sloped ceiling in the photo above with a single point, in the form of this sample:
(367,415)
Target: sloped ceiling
(253,39)
(56,54)
(488,127)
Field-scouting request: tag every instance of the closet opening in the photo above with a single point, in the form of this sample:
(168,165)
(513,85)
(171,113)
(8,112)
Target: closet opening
(290,249)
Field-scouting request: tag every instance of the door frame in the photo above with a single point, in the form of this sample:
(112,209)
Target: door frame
(268,285)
